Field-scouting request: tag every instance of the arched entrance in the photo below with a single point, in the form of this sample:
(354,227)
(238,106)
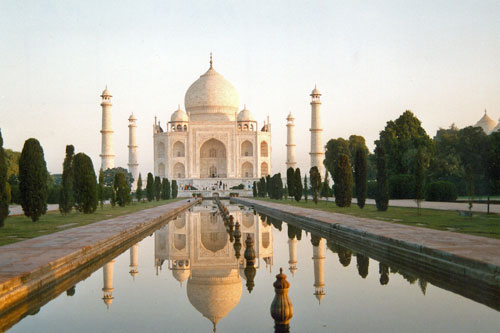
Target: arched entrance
(213,159)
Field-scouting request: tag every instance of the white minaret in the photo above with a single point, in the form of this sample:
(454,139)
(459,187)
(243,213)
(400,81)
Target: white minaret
(316,131)
(107,155)
(107,290)
(133,166)
(292,251)
(134,260)
(319,269)
(290,142)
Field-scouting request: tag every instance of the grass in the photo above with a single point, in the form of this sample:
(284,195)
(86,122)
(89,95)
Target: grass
(479,224)
(18,228)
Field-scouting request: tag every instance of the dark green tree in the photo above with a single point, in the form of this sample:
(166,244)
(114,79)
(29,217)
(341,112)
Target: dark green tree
(157,188)
(493,162)
(165,189)
(419,178)
(290,181)
(175,189)
(343,182)
(100,189)
(326,190)
(138,191)
(85,184)
(261,187)
(362,263)
(254,189)
(122,189)
(361,176)
(150,187)
(315,179)
(66,198)
(33,180)
(268,186)
(4,185)
(298,185)
(382,194)
(109,176)
(305,189)
(334,148)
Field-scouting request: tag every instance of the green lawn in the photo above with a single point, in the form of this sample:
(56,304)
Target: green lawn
(479,224)
(18,228)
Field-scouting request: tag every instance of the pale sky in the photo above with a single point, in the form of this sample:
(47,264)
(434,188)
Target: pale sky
(372,60)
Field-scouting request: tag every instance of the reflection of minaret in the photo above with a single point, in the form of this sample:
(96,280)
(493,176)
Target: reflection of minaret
(134,260)
(290,142)
(133,165)
(319,265)
(316,153)
(292,249)
(107,291)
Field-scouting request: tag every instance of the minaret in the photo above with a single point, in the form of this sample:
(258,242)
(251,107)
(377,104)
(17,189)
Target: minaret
(292,250)
(290,143)
(107,155)
(134,260)
(319,269)
(107,290)
(133,166)
(316,153)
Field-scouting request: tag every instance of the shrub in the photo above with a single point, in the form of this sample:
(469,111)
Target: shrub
(401,187)
(122,189)
(238,187)
(441,191)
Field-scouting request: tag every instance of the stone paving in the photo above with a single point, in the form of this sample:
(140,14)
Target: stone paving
(41,260)
(481,249)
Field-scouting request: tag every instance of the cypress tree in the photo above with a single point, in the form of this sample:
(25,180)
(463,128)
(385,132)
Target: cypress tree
(419,177)
(85,184)
(33,180)
(66,198)
(343,181)
(361,176)
(326,191)
(150,191)
(4,190)
(262,188)
(157,188)
(279,182)
(315,179)
(254,189)
(138,191)
(382,194)
(165,189)
(269,186)
(298,185)
(175,189)
(290,181)
(100,189)
(122,189)
(306,187)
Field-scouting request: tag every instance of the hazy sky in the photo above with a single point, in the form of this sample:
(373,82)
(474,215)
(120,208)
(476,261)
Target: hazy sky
(371,60)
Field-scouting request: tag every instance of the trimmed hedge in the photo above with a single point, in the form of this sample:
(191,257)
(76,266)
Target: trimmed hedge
(401,186)
(441,191)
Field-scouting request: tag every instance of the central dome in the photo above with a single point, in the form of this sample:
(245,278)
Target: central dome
(212,97)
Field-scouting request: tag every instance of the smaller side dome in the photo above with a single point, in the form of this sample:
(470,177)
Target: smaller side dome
(245,115)
(486,123)
(315,91)
(179,115)
(181,275)
(106,93)
(132,117)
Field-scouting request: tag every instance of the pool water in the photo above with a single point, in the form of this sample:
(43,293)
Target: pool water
(186,277)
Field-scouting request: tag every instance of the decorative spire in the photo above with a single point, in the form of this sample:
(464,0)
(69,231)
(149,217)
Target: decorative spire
(211,62)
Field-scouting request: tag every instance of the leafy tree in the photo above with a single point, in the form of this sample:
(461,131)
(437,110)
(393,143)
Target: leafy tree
(4,185)
(419,178)
(100,189)
(290,181)
(298,185)
(305,188)
(33,180)
(356,142)
(277,187)
(326,190)
(165,189)
(66,198)
(85,184)
(361,176)
(122,189)
(150,187)
(315,179)
(446,163)
(109,176)
(334,148)
(254,189)
(382,195)
(12,161)
(175,189)
(138,191)
(343,182)
(157,188)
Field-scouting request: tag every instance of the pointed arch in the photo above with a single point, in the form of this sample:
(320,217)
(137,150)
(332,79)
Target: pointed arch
(264,149)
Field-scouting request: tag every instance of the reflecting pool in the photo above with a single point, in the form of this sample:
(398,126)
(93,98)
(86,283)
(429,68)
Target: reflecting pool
(191,276)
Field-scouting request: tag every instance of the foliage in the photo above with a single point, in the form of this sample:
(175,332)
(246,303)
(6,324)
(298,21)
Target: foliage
(371,191)
(360,175)
(326,190)
(157,188)
(382,195)
(109,176)
(165,189)
(100,189)
(268,185)
(446,163)
(254,189)
(362,262)
(33,180)
(261,187)
(276,186)
(419,177)
(343,182)
(85,184)
(138,190)
(315,179)
(150,191)
(54,193)
(12,161)
(5,195)
(66,198)
(290,181)
(122,189)
(175,189)
(493,162)
(402,187)
(334,148)
(298,185)
(441,191)
(238,187)
(305,188)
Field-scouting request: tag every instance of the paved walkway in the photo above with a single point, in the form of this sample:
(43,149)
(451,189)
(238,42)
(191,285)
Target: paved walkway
(18,210)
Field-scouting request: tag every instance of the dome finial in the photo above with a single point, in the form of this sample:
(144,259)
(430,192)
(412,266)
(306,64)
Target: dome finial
(485,112)
(211,62)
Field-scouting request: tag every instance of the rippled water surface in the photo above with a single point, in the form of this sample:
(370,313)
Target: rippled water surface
(186,278)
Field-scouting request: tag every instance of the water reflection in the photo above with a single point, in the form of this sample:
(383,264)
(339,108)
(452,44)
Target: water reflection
(197,248)
(107,289)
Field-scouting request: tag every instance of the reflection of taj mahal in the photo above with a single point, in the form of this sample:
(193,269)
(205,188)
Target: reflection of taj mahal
(197,248)
(211,139)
